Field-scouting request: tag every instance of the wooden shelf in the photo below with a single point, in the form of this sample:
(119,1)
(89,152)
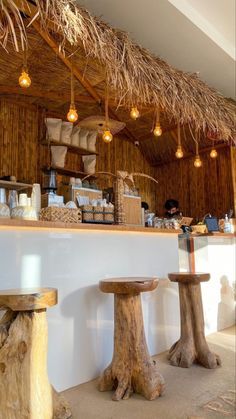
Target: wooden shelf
(7,184)
(71,173)
(73,148)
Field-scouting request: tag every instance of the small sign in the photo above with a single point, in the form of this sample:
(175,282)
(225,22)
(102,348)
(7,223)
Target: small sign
(212,224)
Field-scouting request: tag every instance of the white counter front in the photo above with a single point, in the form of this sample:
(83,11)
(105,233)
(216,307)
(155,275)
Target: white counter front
(81,325)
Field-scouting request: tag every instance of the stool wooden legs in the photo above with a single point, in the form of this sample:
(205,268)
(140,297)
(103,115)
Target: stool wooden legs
(192,346)
(131,369)
(24,387)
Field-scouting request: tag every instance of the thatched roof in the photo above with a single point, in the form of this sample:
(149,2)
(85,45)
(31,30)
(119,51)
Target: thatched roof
(134,75)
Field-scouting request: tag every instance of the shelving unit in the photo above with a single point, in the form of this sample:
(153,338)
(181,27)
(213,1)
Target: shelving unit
(67,172)
(74,149)
(17,186)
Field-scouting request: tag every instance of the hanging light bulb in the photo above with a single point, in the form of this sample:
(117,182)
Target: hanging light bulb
(72,115)
(179,153)
(134,113)
(157,129)
(197,161)
(107,136)
(24,79)
(213,153)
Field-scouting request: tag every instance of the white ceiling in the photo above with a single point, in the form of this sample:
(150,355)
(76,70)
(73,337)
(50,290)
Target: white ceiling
(192,35)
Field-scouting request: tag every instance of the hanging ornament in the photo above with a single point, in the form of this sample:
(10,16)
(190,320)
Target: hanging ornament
(134,113)
(213,153)
(157,129)
(179,152)
(72,115)
(24,79)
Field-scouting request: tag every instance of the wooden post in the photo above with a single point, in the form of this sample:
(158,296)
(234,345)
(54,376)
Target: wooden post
(25,391)
(192,345)
(131,369)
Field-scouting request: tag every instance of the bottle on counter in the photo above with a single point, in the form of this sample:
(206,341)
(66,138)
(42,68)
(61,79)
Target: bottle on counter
(227,224)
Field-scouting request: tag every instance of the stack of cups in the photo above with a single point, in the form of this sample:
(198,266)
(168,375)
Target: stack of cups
(2,196)
(36,198)
(23,200)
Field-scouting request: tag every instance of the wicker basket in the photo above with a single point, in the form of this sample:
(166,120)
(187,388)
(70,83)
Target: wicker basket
(199,228)
(87,211)
(65,215)
(109,214)
(98,214)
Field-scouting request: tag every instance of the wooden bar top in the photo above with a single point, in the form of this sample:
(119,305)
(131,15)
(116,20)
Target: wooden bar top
(49,225)
(6,223)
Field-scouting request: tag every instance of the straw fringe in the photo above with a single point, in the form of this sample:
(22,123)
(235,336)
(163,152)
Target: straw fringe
(134,74)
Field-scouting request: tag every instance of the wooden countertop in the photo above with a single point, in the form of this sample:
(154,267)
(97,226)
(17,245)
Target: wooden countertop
(6,223)
(213,234)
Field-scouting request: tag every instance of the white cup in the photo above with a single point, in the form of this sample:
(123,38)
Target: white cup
(23,199)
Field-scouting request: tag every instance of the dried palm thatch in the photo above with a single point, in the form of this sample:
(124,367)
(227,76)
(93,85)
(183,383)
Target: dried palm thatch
(134,74)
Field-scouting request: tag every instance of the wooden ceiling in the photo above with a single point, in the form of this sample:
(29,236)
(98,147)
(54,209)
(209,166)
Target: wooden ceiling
(50,89)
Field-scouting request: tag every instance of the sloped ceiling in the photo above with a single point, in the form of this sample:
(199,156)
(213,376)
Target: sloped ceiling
(192,35)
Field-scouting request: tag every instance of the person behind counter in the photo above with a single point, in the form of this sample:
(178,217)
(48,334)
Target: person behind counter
(172,208)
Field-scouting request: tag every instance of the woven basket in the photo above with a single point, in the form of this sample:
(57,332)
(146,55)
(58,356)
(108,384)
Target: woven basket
(65,215)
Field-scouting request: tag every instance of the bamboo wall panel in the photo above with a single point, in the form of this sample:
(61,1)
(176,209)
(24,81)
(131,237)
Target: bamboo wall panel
(199,191)
(120,154)
(18,140)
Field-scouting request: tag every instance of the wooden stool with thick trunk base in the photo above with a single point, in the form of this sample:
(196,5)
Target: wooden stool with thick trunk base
(25,391)
(192,345)
(131,369)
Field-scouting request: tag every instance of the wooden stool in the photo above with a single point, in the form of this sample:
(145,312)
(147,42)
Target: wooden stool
(192,345)
(131,369)
(25,390)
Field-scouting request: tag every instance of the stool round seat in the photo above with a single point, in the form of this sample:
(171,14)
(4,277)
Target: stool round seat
(128,285)
(28,299)
(189,277)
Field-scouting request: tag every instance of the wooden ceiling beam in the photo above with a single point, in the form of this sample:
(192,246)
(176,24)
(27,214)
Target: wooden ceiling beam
(44,94)
(30,10)
(79,76)
(83,81)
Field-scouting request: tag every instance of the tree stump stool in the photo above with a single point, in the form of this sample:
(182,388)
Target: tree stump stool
(25,391)
(131,369)
(192,345)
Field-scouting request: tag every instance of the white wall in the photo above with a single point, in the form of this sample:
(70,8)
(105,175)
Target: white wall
(81,325)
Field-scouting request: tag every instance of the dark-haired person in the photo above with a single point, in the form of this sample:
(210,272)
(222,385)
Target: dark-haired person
(172,208)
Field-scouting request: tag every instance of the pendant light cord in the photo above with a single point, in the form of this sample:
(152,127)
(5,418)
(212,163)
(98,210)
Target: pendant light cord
(195,140)
(106,108)
(72,93)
